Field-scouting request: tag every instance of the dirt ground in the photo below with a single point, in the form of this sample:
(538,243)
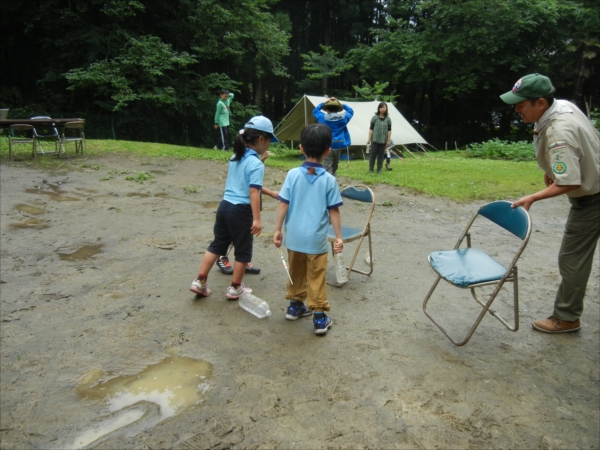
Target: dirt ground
(94,287)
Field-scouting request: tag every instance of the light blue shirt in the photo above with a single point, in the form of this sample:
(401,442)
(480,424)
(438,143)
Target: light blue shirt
(310,193)
(243,175)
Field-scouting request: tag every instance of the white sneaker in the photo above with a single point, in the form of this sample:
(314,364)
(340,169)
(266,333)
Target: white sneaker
(200,289)
(234,294)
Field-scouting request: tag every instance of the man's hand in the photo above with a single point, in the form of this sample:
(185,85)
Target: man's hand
(525,202)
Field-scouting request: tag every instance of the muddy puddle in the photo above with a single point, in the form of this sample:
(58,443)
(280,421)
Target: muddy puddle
(141,401)
(82,253)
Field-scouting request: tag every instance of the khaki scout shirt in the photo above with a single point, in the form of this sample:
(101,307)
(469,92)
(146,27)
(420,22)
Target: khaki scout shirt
(567,148)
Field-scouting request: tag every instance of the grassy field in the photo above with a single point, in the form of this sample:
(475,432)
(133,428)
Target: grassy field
(444,174)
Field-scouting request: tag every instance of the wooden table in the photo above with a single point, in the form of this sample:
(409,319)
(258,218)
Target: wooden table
(57,121)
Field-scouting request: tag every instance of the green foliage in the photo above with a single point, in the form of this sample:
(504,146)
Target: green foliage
(324,65)
(375,92)
(140,177)
(139,73)
(595,118)
(498,149)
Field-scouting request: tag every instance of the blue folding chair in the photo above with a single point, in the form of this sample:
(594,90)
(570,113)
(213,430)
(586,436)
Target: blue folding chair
(349,234)
(471,268)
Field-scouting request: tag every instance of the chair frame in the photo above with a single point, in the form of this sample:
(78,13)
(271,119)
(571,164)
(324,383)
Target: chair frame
(16,140)
(355,192)
(79,141)
(48,124)
(511,276)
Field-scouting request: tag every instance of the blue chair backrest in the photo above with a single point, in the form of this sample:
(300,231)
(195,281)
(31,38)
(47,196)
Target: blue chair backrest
(515,220)
(362,195)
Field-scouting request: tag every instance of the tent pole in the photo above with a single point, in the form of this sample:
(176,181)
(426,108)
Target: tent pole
(411,153)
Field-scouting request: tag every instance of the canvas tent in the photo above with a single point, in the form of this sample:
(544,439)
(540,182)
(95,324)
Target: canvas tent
(302,114)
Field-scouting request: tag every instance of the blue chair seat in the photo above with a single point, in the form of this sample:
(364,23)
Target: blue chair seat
(348,233)
(466,266)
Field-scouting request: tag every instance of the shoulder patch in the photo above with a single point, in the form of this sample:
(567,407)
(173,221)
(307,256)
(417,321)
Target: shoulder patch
(559,167)
(557,144)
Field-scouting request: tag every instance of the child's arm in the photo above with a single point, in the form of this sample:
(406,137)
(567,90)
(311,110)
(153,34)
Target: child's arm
(255,205)
(336,222)
(281,213)
(270,193)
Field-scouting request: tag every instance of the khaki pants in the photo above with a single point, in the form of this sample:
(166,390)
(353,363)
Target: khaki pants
(576,256)
(308,273)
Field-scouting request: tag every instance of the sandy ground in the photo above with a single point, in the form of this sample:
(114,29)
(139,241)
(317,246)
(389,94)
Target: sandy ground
(94,287)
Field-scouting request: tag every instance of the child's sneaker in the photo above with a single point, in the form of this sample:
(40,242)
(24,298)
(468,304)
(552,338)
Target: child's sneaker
(252,269)
(322,323)
(296,310)
(199,288)
(224,265)
(234,294)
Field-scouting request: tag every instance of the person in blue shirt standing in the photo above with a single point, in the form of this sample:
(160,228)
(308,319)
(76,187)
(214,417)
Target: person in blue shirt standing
(336,116)
(238,215)
(309,198)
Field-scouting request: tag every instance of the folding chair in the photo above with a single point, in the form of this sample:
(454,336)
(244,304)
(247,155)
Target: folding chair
(47,131)
(20,134)
(361,194)
(471,268)
(73,132)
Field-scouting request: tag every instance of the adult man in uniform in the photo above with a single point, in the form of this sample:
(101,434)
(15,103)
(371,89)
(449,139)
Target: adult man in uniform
(567,149)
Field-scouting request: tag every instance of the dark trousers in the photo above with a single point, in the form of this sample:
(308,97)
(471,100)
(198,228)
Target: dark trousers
(377,151)
(223,142)
(576,255)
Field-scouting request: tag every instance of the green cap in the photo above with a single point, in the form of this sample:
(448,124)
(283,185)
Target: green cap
(533,85)
(333,104)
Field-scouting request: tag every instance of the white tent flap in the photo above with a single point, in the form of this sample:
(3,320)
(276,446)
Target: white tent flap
(301,115)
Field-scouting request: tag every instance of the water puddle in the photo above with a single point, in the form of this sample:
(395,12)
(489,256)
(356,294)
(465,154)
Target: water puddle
(54,193)
(141,401)
(29,209)
(36,224)
(82,253)
(137,194)
(211,205)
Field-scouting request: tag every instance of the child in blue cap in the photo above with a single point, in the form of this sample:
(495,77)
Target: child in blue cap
(238,215)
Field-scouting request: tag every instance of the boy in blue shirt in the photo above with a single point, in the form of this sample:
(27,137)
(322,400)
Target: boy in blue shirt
(310,199)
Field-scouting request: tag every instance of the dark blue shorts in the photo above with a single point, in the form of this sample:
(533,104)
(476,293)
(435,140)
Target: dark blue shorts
(233,224)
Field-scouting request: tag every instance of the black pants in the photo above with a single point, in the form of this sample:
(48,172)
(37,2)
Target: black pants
(377,151)
(223,142)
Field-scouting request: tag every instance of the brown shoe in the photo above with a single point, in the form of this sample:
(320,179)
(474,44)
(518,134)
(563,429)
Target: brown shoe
(554,325)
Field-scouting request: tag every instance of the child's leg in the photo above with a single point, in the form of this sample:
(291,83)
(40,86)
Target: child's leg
(296,293)
(208,260)
(317,287)
(297,268)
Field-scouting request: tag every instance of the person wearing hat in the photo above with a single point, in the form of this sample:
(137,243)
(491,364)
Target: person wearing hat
(567,149)
(336,116)
(238,215)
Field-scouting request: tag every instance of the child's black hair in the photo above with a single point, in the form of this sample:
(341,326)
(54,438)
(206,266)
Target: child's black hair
(241,141)
(224,91)
(379,107)
(315,140)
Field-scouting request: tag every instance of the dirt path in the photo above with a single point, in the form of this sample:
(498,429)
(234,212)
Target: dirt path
(94,286)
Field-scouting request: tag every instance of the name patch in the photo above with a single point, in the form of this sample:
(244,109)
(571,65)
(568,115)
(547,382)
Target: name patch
(556,145)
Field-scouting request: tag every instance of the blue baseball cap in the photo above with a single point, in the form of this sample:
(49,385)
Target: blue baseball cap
(261,123)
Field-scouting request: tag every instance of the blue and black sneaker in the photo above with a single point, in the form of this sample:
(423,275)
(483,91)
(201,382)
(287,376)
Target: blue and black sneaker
(321,322)
(296,310)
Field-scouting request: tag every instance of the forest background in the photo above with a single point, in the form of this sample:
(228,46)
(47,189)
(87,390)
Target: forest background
(152,70)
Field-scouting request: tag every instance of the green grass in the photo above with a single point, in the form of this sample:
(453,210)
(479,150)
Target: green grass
(441,174)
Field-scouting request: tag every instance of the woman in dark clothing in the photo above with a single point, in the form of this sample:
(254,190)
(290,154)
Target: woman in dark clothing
(380,134)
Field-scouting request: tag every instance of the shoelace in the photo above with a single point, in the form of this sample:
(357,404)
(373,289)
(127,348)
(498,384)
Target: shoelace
(225,262)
